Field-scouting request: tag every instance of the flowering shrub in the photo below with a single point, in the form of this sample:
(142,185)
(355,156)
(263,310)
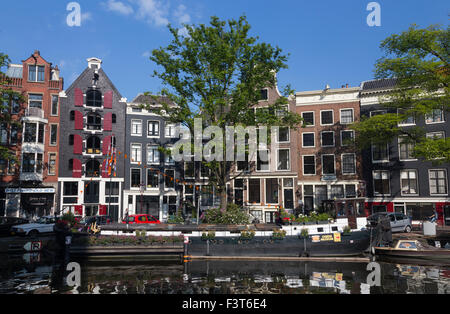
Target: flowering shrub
(233,215)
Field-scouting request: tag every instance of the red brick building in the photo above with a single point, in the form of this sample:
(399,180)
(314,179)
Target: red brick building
(28,187)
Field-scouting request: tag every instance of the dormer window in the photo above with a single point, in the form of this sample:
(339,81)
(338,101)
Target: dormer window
(36,73)
(94,98)
(264,94)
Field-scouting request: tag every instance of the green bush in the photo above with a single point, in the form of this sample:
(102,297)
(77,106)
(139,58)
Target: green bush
(177,219)
(233,215)
(304,233)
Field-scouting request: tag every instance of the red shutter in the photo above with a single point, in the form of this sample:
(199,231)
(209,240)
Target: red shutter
(106,143)
(78,120)
(104,169)
(77,144)
(76,173)
(79,210)
(107,122)
(78,97)
(107,100)
(103,210)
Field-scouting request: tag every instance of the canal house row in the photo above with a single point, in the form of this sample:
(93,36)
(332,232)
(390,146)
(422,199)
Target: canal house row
(310,167)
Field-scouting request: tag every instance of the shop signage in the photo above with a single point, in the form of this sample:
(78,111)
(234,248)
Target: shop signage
(30,190)
(329,177)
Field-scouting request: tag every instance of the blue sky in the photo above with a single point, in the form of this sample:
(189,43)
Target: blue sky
(329,41)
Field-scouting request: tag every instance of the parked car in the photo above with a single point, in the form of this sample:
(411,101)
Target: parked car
(141,219)
(7,222)
(399,221)
(42,225)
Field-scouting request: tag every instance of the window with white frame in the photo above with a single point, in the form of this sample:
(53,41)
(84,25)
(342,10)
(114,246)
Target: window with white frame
(262,162)
(53,134)
(381,184)
(435,116)
(135,178)
(136,127)
(380,152)
(35,101)
(347,116)
(168,156)
(327,138)
(153,128)
(308,118)
(328,165)
(51,164)
(272,191)
(152,154)
(308,139)
(55,99)
(283,159)
(170,131)
(309,165)
(438,181)
(406,148)
(152,179)
(348,164)
(409,118)
(169,178)
(347,137)
(36,73)
(436,135)
(408,180)
(283,135)
(326,117)
(377,113)
(136,153)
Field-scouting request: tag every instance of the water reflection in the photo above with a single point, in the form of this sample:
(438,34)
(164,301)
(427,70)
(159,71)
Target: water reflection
(40,274)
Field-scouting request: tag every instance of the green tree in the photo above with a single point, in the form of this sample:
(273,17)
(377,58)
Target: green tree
(216,73)
(7,95)
(418,59)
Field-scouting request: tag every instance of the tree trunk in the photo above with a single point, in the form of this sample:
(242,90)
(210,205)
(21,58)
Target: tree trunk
(223,200)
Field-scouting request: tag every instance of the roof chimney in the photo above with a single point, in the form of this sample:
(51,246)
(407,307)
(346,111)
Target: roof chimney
(346,86)
(37,52)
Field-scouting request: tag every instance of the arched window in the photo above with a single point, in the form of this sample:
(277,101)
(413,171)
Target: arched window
(93,98)
(94,121)
(114,118)
(93,168)
(93,145)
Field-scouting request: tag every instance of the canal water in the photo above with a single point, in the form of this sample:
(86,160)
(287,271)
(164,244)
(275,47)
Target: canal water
(36,274)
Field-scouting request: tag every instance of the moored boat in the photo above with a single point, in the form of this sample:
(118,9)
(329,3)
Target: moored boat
(413,249)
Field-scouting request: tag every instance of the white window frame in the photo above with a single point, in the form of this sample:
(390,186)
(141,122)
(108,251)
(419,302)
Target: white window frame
(303,142)
(42,101)
(315,165)
(340,116)
(373,181)
(379,110)
(288,133)
(334,139)
(159,128)
(51,105)
(342,141)
(446,181)
(322,164)
(442,114)
(50,135)
(379,161)
(430,135)
(131,178)
(133,123)
(37,66)
(56,161)
(332,117)
(417,182)
(170,126)
(288,162)
(193,170)
(268,161)
(154,148)
(342,164)
(146,186)
(405,124)
(314,119)
(135,162)
(267,95)
(400,152)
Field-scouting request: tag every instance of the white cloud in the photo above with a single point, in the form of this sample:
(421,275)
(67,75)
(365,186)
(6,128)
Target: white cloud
(181,15)
(153,12)
(146,54)
(119,7)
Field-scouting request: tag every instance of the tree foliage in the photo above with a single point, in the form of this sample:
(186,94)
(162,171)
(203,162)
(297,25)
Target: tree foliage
(216,73)
(419,61)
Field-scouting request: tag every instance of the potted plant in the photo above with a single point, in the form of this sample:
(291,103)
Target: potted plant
(278,234)
(208,235)
(347,230)
(304,233)
(247,234)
